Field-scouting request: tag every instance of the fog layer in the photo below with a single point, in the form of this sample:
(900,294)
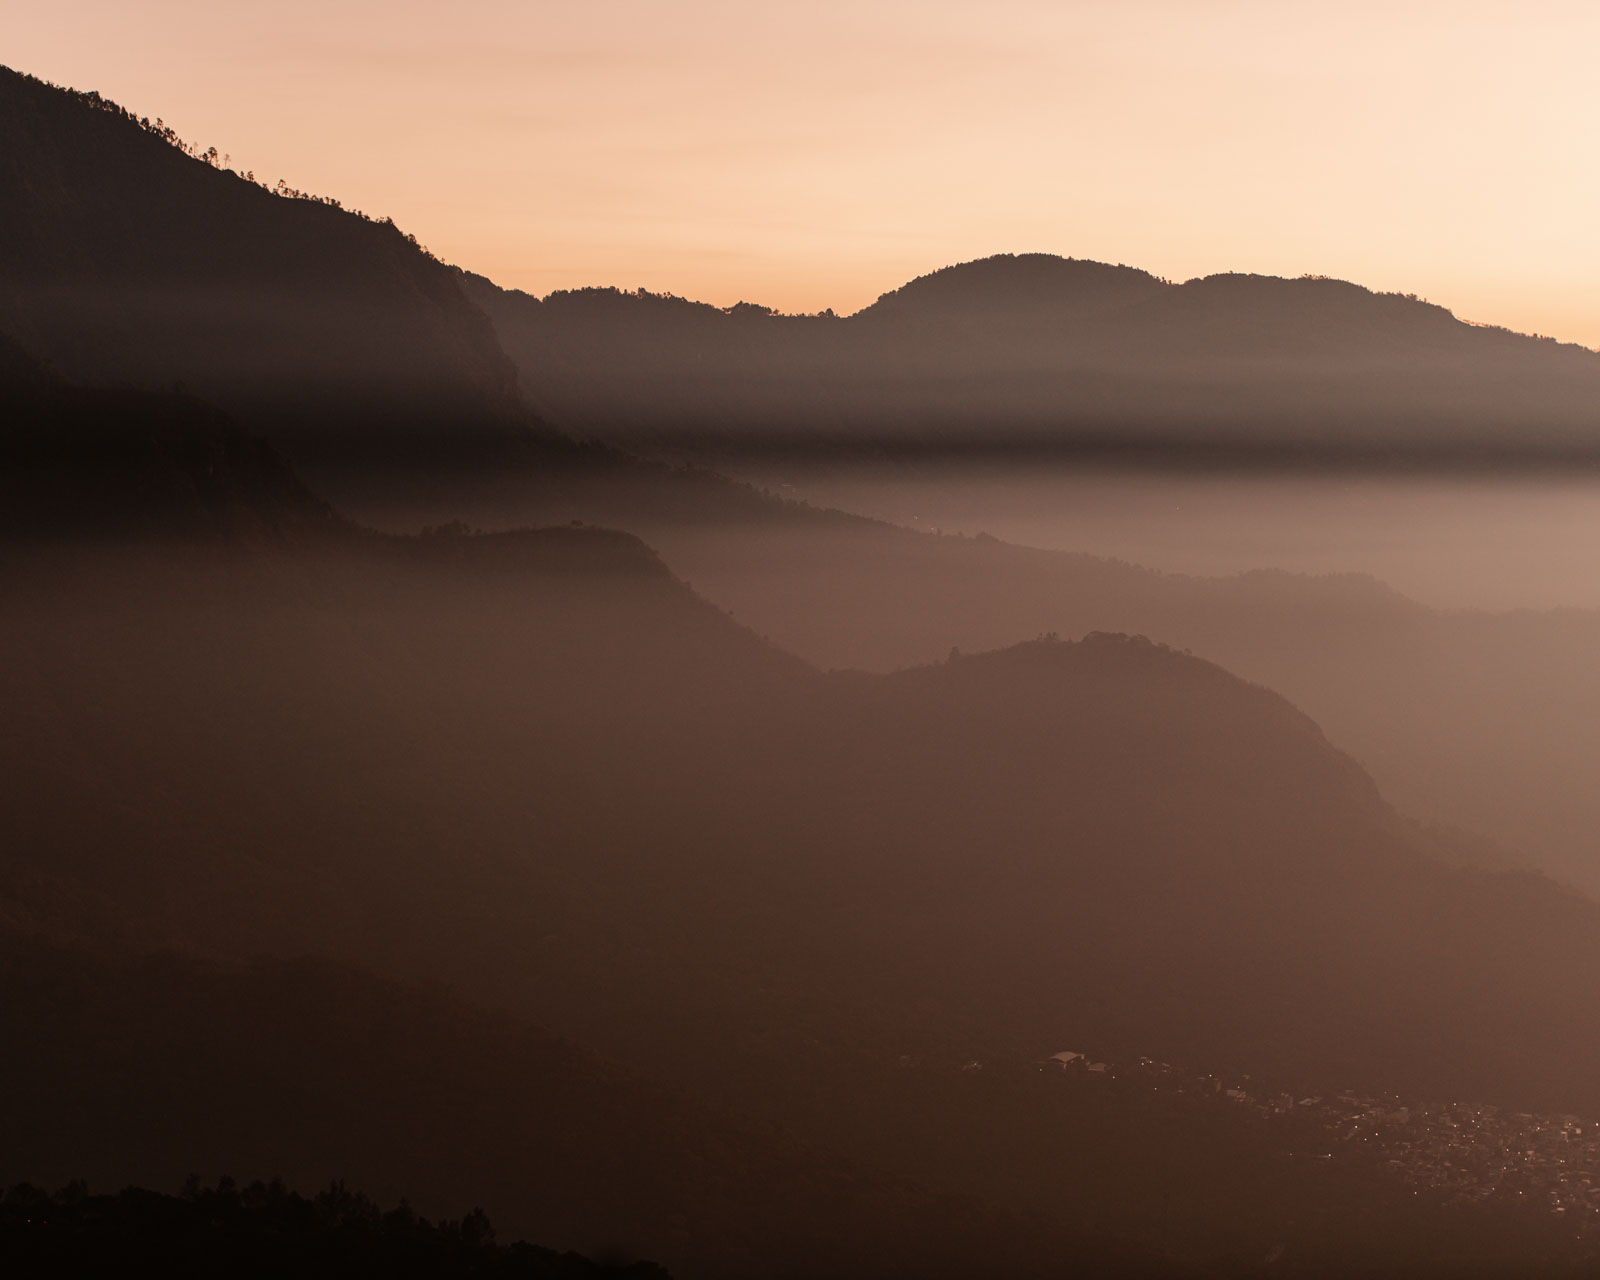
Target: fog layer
(1451,541)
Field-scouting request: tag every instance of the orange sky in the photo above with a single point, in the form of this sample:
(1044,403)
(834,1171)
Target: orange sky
(814,154)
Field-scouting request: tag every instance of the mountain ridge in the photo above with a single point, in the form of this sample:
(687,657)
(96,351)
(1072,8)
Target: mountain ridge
(1040,355)
(125,260)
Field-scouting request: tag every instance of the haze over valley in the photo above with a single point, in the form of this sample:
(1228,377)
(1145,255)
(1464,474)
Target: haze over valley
(1058,770)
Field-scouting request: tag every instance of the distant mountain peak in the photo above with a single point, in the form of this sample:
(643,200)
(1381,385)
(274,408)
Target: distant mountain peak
(1026,280)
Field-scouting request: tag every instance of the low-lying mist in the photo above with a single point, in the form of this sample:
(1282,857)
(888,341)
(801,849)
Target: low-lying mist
(1475,541)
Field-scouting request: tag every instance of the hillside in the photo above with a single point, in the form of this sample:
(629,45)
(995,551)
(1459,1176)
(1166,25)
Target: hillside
(536,766)
(377,725)
(1473,719)
(159,1069)
(125,261)
(1043,355)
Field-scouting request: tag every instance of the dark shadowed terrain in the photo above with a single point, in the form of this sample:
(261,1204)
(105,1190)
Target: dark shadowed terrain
(263,1229)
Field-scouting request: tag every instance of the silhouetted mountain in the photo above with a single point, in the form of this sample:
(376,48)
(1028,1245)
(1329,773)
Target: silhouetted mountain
(1043,354)
(126,261)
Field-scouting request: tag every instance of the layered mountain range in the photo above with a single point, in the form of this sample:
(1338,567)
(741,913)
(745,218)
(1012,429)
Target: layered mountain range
(129,261)
(651,933)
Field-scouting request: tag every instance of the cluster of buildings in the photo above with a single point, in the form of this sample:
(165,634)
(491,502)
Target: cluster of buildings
(1467,1153)
(1471,1153)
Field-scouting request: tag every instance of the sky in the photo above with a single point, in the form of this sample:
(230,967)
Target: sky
(815,155)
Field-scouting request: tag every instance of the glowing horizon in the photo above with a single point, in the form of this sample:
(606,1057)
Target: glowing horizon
(812,157)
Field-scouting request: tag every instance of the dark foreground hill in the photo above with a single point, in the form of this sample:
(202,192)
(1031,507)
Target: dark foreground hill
(1034,354)
(153,1070)
(140,1069)
(538,767)
(262,1230)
